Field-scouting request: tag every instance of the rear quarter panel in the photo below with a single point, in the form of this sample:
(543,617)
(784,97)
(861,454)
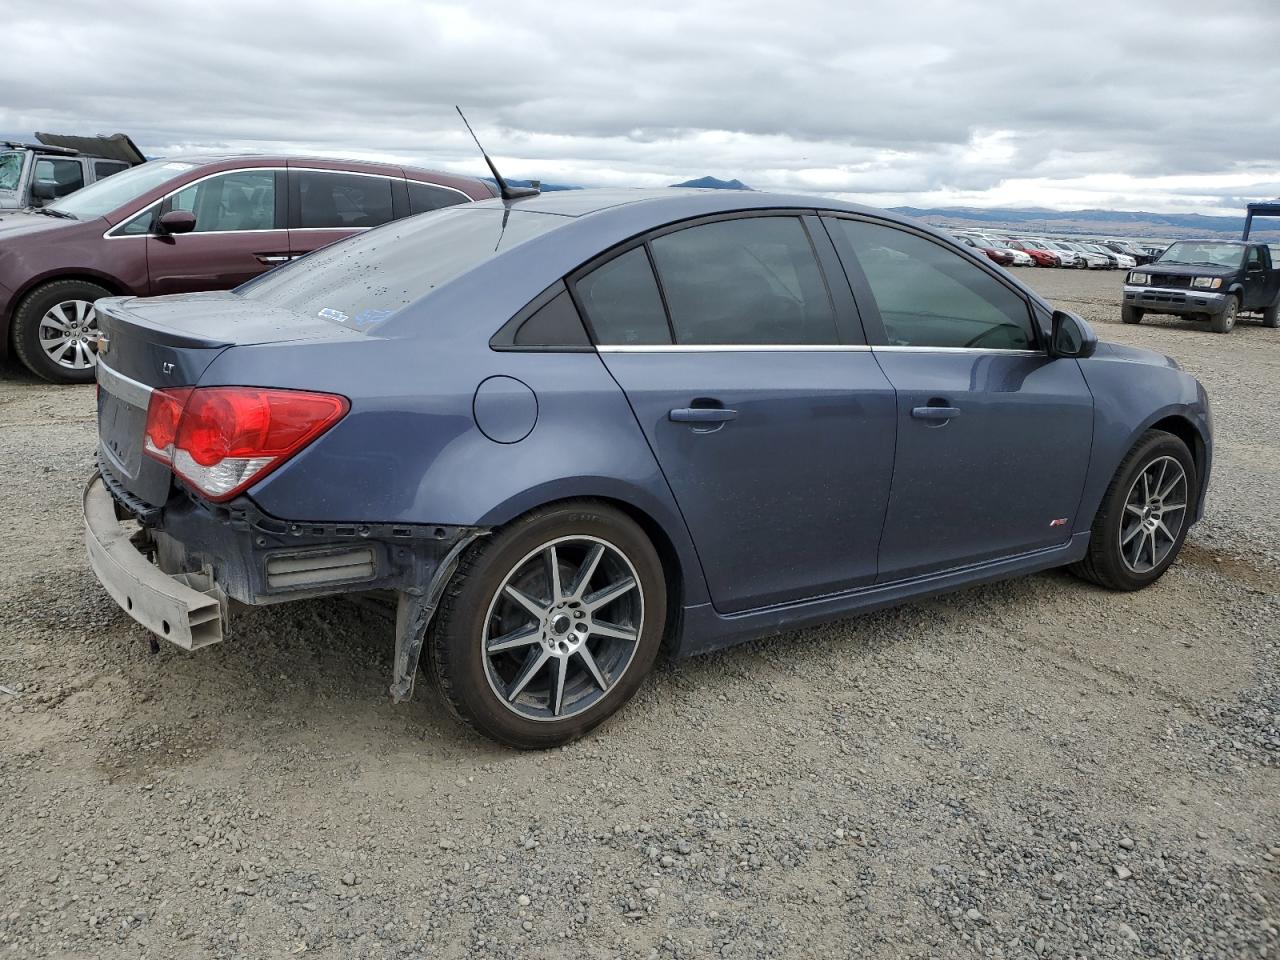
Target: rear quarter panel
(410,450)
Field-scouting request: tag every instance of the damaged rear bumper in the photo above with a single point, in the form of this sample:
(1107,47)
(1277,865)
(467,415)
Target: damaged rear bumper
(188,609)
(176,569)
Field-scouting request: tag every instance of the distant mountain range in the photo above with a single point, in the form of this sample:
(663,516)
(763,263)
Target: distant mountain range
(713,184)
(1109,222)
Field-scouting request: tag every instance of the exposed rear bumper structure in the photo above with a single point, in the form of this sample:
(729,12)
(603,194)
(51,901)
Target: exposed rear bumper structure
(188,609)
(177,568)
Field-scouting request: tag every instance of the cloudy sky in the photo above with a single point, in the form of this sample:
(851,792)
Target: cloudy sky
(1169,106)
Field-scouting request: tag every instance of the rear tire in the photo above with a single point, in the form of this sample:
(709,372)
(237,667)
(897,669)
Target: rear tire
(1130,315)
(507,645)
(1271,316)
(1144,517)
(1225,321)
(55,330)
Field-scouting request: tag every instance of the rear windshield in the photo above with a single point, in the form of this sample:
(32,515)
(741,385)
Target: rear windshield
(361,281)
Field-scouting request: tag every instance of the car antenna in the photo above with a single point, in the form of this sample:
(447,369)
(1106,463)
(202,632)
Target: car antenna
(504,190)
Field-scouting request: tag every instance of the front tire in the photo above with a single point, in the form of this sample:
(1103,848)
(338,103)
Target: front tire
(1144,517)
(1225,321)
(56,330)
(550,625)
(1271,316)
(1130,315)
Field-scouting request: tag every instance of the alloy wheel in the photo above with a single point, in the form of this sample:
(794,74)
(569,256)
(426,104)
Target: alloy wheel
(562,628)
(69,334)
(1154,512)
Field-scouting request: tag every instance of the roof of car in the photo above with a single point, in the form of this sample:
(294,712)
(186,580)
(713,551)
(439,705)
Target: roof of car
(284,160)
(676,201)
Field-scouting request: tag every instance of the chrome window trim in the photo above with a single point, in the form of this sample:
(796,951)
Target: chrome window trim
(110,233)
(131,391)
(735,348)
(903,348)
(804,348)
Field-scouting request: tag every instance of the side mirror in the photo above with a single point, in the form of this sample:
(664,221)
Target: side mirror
(44,191)
(1071,336)
(176,221)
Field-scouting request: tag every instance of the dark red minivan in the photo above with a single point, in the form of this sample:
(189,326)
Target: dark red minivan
(174,226)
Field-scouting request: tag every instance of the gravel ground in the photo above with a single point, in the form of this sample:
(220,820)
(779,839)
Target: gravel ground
(1035,768)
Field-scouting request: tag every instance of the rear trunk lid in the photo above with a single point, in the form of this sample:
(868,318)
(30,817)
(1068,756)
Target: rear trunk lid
(166,342)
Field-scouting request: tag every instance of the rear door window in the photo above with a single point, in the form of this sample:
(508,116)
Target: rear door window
(105,168)
(344,201)
(234,201)
(929,296)
(753,280)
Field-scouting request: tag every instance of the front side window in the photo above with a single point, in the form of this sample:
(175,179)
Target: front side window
(622,301)
(238,200)
(67,176)
(754,280)
(929,296)
(342,200)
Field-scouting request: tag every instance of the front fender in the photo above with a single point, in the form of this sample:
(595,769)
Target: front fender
(1130,397)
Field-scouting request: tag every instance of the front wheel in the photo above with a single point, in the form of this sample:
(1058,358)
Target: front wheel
(56,330)
(1130,315)
(1271,316)
(1225,321)
(1144,517)
(550,625)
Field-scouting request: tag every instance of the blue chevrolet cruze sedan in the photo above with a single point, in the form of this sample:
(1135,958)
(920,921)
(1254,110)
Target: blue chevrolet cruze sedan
(564,431)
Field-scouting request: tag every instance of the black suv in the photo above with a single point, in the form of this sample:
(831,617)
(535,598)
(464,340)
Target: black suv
(1215,280)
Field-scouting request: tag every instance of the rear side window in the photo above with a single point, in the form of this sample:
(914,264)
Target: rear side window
(622,302)
(930,296)
(749,281)
(342,200)
(105,168)
(425,197)
(364,279)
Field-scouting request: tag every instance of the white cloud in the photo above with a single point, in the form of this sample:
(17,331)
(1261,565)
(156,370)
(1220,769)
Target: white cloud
(1080,105)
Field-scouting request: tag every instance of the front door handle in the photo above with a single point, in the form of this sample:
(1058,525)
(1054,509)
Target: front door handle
(702,415)
(935,413)
(272,258)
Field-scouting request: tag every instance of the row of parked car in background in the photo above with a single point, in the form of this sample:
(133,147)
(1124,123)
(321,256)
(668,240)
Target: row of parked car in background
(1043,252)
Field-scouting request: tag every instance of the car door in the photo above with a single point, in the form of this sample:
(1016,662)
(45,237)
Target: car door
(239,233)
(330,205)
(767,413)
(993,435)
(1255,278)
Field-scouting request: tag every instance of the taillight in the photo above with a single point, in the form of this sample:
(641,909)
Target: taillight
(221,439)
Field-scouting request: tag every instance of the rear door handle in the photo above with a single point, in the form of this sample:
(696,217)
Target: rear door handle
(702,415)
(935,413)
(273,258)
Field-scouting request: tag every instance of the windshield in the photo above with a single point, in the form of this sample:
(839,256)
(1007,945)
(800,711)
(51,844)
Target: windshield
(99,199)
(1204,252)
(361,281)
(10,169)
